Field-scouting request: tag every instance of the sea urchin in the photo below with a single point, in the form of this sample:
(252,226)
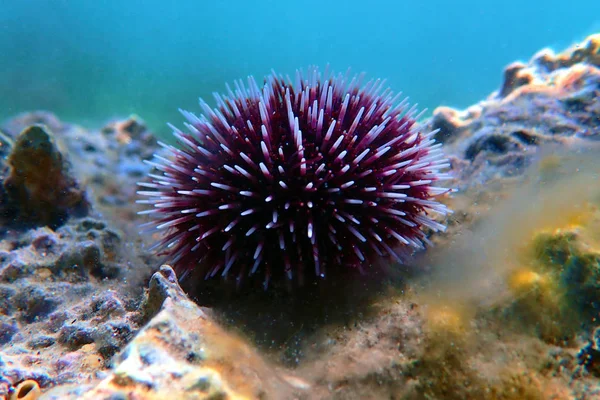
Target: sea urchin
(295,178)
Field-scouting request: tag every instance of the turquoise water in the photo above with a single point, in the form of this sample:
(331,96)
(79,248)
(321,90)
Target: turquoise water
(88,61)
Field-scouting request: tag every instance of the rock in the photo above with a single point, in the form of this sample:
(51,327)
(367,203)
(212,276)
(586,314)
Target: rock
(39,189)
(7,331)
(515,75)
(61,291)
(41,342)
(550,100)
(69,294)
(589,355)
(183,353)
(34,303)
(108,161)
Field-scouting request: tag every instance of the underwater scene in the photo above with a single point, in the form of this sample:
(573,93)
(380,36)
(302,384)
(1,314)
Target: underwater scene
(285,200)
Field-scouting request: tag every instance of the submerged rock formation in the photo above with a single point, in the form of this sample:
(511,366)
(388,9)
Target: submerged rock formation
(551,100)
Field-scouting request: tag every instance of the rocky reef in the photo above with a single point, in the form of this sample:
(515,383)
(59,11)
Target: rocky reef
(553,99)
(66,306)
(506,305)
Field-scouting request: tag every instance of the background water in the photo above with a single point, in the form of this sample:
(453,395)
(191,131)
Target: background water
(88,60)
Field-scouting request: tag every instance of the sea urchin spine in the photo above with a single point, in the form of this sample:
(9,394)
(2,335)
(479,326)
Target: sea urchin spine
(295,179)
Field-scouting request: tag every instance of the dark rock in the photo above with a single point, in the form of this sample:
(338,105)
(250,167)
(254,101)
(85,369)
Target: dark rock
(33,303)
(56,321)
(75,335)
(14,270)
(39,190)
(107,305)
(494,144)
(444,120)
(163,285)
(526,137)
(85,257)
(111,337)
(7,331)
(87,224)
(44,244)
(589,355)
(41,342)
(515,76)
(6,303)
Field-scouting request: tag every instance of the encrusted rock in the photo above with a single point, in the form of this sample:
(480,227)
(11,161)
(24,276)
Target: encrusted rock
(515,76)
(39,189)
(108,161)
(59,295)
(552,100)
(69,294)
(183,353)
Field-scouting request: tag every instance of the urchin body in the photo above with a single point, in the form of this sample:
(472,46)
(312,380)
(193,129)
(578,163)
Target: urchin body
(296,179)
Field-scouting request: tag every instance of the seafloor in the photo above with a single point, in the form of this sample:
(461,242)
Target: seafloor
(506,306)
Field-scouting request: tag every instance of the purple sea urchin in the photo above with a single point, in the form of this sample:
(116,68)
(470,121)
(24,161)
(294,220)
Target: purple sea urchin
(296,178)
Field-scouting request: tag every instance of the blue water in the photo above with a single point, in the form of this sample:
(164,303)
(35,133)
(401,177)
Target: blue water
(89,60)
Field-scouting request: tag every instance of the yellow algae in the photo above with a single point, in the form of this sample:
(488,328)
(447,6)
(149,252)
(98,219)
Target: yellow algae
(532,260)
(555,293)
(517,385)
(527,266)
(447,318)
(525,279)
(549,165)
